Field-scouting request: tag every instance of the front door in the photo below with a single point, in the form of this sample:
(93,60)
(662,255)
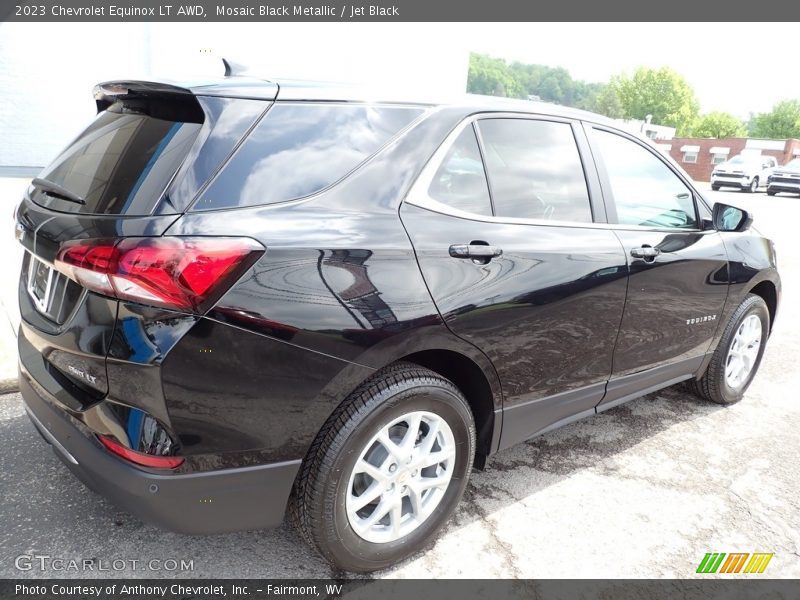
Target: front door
(678,280)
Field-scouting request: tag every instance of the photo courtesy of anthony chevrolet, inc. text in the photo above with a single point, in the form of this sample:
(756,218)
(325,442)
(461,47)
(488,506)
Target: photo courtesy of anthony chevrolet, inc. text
(393,299)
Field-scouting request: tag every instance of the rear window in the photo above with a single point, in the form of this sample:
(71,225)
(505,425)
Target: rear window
(299,149)
(120,164)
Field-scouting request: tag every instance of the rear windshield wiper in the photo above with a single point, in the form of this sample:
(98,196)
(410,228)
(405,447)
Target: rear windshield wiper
(53,189)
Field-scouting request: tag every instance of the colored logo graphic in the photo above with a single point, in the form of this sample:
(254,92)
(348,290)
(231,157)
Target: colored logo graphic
(742,562)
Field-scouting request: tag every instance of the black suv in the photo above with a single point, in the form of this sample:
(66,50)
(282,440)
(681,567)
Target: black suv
(246,298)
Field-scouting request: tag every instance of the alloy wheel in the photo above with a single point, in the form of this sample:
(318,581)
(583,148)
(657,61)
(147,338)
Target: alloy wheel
(743,351)
(400,477)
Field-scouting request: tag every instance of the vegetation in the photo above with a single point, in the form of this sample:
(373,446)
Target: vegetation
(718,125)
(661,93)
(496,77)
(782,122)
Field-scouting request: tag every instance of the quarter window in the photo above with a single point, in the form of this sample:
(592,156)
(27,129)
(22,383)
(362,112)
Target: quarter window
(460,181)
(534,169)
(646,192)
(299,149)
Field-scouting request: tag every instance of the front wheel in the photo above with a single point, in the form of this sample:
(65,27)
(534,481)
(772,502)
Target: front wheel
(715,187)
(387,470)
(738,354)
(753,186)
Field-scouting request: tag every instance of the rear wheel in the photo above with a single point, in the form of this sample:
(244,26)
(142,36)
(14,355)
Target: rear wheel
(738,354)
(753,186)
(387,470)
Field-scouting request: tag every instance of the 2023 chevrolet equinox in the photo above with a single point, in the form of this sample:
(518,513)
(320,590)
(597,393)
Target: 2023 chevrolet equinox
(242,299)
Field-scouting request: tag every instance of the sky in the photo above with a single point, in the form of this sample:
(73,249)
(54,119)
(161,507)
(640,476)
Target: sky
(738,68)
(734,67)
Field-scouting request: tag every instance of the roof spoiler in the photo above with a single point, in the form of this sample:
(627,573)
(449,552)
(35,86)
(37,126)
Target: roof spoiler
(156,99)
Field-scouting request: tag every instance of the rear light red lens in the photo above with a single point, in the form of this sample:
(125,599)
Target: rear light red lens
(140,458)
(183,273)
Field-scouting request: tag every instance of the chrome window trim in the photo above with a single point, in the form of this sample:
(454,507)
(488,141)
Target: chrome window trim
(418,194)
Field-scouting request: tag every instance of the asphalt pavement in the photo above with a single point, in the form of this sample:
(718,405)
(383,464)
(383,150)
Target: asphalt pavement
(643,490)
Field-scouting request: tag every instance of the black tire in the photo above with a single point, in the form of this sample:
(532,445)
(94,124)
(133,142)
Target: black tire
(713,384)
(771,192)
(715,187)
(753,188)
(317,507)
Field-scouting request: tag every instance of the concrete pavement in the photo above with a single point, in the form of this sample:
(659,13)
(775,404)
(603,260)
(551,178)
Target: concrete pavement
(643,490)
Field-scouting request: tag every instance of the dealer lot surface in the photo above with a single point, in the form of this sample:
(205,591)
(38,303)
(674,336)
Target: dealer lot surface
(643,490)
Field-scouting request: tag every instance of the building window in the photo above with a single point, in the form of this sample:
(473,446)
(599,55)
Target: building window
(690,153)
(717,159)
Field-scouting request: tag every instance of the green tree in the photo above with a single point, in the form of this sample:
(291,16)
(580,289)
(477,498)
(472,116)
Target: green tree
(662,93)
(607,101)
(782,122)
(718,125)
(492,77)
(496,77)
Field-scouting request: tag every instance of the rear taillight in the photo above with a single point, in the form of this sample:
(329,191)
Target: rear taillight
(187,274)
(140,458)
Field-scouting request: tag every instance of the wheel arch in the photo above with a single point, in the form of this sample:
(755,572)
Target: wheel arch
(769,293)
(471,379)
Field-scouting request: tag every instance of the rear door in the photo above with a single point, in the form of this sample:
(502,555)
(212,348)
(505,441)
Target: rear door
(125,175)
(678,280)
(506,221)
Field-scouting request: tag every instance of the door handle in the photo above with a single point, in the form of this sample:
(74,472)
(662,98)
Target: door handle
(478,251)
(648,253)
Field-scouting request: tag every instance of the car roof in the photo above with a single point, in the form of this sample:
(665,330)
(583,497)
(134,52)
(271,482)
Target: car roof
(322,91)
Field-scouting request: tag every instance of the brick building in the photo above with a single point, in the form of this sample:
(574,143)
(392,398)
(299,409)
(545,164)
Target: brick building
(699,155)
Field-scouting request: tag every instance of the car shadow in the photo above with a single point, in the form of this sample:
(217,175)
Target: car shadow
(46,510)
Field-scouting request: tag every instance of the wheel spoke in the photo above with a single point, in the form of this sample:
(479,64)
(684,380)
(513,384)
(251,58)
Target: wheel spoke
(391,447)
(415,497)
(380,511)
(362,466)
(371,494)
(430,437)
(434,458)
(427,483)
(410,438)
(396,516)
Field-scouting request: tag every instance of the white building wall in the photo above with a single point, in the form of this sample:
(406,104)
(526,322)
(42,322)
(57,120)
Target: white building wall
(47,70)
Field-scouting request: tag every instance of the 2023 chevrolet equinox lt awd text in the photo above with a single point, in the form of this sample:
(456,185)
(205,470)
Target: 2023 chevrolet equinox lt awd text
(243,299)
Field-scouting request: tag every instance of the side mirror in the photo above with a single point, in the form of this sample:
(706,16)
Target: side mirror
(730,218)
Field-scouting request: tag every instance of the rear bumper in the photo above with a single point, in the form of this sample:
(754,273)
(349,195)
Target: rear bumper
(196,503)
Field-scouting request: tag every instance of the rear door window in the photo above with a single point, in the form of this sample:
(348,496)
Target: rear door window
(302,148)
(121,164)
(535,170)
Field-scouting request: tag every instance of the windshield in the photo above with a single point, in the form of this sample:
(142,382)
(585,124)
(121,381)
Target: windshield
(793,164)
(741,160)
